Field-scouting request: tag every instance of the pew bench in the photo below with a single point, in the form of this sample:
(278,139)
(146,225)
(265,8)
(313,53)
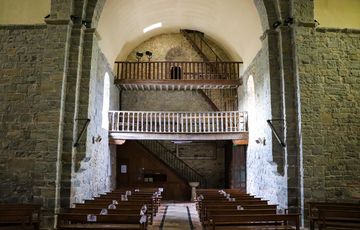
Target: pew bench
(228,212)
(254,221)
(110,221)
(232,206)
(333,214)
(122,205)
(334,219)
(25,215)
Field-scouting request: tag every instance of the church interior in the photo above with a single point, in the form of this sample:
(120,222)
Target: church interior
(184,101)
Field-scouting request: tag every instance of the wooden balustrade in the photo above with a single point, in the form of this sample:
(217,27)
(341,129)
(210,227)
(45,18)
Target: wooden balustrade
(177,122)
(177,70)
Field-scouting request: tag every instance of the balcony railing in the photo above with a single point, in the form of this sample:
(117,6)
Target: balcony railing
(184,70)
(177,122)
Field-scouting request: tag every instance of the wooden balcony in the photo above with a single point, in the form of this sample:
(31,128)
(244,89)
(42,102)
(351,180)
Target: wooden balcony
(229,125)
(170,75)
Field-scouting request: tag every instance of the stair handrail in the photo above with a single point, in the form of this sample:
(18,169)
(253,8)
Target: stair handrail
(202,41)
(169,156)
(207,93)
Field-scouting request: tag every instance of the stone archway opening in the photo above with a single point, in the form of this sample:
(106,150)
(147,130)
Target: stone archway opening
(128,41)
(258,59)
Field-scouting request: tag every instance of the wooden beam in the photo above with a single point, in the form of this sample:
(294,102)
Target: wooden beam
(184,84)
(240,142)
(116,141)
(174,136)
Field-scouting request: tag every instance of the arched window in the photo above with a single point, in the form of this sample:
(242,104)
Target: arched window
(106,102)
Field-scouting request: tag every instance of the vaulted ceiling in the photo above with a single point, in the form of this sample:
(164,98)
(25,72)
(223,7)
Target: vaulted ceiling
(234,24)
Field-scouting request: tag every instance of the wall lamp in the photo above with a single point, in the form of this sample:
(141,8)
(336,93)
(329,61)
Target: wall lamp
(316,23)
(261,141)
(289,21)
(86,23)
(97,139)
(276,24)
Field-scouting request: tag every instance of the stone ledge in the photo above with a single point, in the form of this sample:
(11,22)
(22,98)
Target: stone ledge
(22,26)
(339,30)
(58,22)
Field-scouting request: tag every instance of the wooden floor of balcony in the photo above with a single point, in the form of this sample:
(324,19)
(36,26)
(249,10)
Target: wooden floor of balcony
(114,136)
(129,84)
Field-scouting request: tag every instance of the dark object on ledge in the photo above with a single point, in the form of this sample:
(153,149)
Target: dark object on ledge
(175,72)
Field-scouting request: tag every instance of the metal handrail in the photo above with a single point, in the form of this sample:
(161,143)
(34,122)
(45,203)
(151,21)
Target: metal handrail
(198,46)
(200,36)
(158,149)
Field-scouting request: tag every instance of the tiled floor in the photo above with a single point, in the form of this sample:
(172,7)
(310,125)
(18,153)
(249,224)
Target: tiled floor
(172,216)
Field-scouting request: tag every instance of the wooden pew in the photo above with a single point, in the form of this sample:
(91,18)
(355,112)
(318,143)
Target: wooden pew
(98,210)
(121,205)
(254,221)
(328,212)
(233,207)
(14,221)
(110,221)
(144,199)
(211,212)
(334,219)
(25,215)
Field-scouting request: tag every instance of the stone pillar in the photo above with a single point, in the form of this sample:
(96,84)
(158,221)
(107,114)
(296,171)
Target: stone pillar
(193,189)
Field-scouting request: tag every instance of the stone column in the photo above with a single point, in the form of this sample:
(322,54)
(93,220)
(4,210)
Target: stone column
(193,189)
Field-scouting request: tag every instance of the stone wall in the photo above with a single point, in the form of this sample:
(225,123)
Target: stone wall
(163,101)
(168,47)
(21,61)
(263,178)
(329,79)
(33,71)
(172,47)
(96,173)
(205,157)
(36,97)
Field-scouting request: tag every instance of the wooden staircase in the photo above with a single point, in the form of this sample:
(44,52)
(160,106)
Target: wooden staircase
(169,158)
(220,100)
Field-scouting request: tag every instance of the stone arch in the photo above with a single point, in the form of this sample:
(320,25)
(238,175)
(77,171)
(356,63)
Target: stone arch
(93,11)
(269,11)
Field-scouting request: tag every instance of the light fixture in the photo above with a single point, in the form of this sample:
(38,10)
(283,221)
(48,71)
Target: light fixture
(316,23)
(139,55)
(153,26)
(288,21)
(148,54)
(261,141)
(276,24)
(97,139)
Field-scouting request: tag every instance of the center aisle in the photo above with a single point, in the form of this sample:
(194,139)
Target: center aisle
(176,216)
